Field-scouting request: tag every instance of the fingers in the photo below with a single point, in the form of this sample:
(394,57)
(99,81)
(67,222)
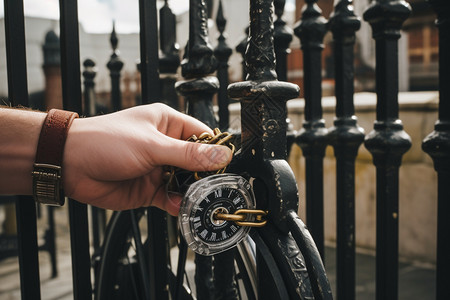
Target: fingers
(192,156)
(182,126)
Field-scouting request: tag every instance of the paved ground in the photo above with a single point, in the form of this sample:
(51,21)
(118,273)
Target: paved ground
(415,281)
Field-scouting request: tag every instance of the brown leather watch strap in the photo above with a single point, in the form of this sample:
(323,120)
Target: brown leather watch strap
(49,156)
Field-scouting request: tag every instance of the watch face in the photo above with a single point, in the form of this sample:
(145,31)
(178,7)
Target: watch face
(225,194)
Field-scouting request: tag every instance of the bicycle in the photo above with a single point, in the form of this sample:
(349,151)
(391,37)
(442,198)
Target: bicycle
(231,274)
(276,261)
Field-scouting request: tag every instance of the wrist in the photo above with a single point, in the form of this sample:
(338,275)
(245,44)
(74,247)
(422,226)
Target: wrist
(19,139)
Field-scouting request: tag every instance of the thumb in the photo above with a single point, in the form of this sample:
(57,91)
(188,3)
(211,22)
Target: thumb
(193,156)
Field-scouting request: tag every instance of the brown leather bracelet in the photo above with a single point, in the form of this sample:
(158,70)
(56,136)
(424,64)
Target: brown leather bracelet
(47,187)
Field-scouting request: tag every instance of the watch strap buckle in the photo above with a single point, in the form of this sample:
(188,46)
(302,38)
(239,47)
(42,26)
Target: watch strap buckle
(47,184)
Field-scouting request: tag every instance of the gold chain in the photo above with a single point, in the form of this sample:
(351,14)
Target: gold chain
(241,217)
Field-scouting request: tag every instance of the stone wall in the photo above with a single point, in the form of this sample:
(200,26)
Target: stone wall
(418,180)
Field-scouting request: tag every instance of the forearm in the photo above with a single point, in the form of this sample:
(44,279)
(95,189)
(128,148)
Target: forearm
(19,135)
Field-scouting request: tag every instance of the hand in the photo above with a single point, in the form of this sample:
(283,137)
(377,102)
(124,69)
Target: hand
(115,161)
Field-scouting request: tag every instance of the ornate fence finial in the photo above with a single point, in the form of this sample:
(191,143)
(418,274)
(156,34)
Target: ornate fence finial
(387,142)
(282,38)
(113,39)
(223,53)
(199,60)
(89,93)
(240,48)
(169,59)
(260,55)
(115,65)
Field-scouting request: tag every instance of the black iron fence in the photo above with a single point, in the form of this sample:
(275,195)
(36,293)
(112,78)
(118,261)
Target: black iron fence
(387,142)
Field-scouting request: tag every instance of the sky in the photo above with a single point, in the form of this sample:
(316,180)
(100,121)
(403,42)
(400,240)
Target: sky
(96,15)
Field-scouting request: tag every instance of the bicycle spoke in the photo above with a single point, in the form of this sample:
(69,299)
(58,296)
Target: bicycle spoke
(141,259)
(182,254)
(133,279)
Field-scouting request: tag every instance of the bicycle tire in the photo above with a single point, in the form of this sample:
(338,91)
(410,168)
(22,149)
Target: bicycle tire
(266,248)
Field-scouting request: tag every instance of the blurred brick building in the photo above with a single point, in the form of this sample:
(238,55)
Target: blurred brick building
(418,50)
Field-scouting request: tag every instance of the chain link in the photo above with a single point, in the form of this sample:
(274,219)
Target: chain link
(242,217)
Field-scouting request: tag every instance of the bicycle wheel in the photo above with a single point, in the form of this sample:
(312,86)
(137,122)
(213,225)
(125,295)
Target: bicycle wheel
(122,272)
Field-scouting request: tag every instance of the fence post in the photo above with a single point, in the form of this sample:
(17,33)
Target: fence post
(115,65)
(312,138)
(223,53)
(149,65)
(198,90)
(18,93)
(437,145)
(263,118)
(98,215)
(387,142)
(71,87)
(345,137)
(169,61)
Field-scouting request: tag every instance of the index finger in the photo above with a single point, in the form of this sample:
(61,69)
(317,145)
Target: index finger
(182,126)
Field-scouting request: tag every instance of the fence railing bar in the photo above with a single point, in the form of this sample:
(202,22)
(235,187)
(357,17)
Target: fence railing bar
(346,137)
(198,89)
(150,87)
(71,91)
(18,95)
(222,52)
(149,66)
(387,142)
(312,138)
(437,145)
(158,254)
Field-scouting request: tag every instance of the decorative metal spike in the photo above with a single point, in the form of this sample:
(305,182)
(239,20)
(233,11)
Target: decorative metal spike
(279,8)
(260,55)
(221,22)
(199,59)
(113,39)
(199,88)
